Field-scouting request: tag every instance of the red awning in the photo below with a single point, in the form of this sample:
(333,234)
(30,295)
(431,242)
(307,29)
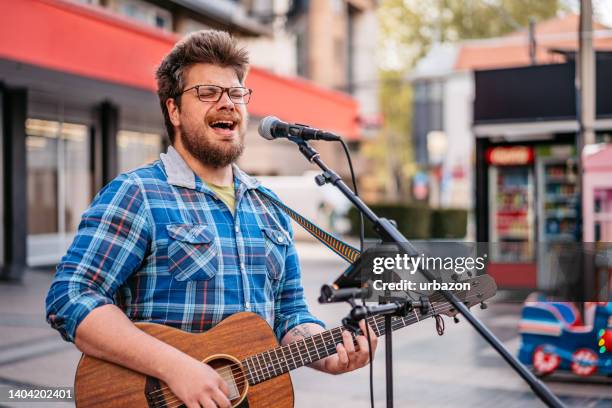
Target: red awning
(95,43)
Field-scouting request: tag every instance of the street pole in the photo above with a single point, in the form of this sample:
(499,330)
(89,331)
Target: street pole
(585,95)
(585,74)
(585,113)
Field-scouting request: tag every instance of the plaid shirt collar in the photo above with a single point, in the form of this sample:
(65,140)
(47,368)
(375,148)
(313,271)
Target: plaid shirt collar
(181,175)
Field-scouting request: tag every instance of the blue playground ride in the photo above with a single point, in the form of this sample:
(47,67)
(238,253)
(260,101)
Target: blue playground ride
(554,338)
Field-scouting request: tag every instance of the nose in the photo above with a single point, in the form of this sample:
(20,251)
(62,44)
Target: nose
(225,102)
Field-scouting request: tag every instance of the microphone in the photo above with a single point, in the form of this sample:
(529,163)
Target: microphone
(330,294)
(272,128)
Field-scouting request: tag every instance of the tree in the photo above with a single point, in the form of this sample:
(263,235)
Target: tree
(408,28)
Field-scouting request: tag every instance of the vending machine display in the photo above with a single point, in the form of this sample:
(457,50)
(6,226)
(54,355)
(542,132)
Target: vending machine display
(558,200)
(511,232)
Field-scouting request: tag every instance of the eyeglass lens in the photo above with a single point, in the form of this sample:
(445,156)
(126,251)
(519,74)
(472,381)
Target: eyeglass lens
(211,93)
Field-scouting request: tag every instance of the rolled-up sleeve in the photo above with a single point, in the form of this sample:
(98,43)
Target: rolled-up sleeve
(291,308)
(110,244)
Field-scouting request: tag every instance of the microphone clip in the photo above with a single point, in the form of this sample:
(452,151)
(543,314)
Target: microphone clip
(326,177)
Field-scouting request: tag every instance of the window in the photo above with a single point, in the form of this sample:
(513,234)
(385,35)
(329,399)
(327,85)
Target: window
(59,185)
(145,13)
(137,149)
(428,114)
(301,51)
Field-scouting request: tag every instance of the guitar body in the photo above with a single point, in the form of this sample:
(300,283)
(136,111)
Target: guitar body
(102,384)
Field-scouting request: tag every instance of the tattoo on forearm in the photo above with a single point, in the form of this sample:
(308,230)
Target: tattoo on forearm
(301,331)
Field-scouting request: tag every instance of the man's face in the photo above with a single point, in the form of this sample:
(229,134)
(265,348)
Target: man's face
(204,128)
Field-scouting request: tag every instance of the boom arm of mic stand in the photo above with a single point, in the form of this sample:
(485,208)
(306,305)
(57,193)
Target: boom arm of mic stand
(389,233)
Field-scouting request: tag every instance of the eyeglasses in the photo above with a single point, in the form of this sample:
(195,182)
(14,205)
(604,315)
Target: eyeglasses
(213,93)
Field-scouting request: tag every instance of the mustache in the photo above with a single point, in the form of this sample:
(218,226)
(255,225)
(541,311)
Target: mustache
(232,117)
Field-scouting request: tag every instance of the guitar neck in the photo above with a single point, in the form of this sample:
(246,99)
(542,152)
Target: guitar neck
(269,364)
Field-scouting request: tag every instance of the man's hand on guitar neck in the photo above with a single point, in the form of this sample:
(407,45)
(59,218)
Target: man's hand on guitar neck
(106,333)
(349,356)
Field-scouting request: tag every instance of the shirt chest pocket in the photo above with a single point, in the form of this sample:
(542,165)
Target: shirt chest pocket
(276,246)
(192,252)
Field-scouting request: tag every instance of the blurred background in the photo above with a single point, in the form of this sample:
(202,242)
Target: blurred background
(469,120)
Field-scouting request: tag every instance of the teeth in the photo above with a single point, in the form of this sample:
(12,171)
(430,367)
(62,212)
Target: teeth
(222,122)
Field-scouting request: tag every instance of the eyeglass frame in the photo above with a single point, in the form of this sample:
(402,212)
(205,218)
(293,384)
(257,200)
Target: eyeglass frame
(223,90)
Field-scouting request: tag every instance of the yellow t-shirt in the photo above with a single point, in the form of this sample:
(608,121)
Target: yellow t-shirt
(225,194)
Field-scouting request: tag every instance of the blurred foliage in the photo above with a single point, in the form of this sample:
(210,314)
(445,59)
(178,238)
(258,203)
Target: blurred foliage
(416,221)
(412,26)
(391,150)
(408,28)
(449,223)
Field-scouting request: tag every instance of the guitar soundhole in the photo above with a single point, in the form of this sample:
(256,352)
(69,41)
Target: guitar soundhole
(235,377)
(159,395)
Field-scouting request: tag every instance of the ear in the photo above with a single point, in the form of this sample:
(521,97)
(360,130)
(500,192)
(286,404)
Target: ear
(173,112)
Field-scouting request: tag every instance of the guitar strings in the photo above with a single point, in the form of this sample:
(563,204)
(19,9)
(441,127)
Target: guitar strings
(174,399)
(395,325)
(376,320)
(271,369)
(239,380)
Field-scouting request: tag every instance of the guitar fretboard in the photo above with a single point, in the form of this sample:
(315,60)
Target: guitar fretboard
(264,366)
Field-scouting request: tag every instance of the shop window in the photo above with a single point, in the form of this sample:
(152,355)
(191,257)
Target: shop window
(137,149)
(59,182)
(59,185)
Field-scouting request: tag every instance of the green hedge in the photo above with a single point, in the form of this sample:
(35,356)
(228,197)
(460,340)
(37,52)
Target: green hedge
(450,223)
(416,222)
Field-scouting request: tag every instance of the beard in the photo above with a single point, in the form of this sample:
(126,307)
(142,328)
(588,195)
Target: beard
(211,152)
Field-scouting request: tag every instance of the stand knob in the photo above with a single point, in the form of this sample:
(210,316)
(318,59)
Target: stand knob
(320,180)
(456,319)
(483,305)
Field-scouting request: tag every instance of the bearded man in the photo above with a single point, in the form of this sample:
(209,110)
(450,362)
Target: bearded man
(186,241)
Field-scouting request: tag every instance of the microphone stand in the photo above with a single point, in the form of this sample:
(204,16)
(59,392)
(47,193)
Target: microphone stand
(390,234)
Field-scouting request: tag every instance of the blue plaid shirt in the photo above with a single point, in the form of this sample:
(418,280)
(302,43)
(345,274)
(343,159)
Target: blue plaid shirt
(159,244)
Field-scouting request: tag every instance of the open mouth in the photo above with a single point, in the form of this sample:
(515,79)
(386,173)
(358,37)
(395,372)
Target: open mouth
(223,124)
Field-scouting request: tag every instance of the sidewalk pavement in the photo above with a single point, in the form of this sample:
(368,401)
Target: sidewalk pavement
(454,370)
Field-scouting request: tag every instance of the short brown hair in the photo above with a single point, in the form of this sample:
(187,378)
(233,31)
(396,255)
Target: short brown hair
(205,46)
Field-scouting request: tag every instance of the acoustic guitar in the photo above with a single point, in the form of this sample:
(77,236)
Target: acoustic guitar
(244,351)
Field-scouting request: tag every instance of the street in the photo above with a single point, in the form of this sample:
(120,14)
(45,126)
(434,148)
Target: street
(457,369)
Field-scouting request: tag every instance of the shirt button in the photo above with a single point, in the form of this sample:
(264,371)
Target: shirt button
(242,265)
(247,305)
(237,228)
(281,239)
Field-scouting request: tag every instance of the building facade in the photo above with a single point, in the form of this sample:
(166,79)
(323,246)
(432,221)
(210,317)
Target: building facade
(79,106)
(328,42)
(443,84)
(509,120)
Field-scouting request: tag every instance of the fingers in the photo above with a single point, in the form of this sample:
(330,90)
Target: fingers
(343,359)
(351,356)
(362,356)
(221,399)
(223,387)
(206,402)
(347,341)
